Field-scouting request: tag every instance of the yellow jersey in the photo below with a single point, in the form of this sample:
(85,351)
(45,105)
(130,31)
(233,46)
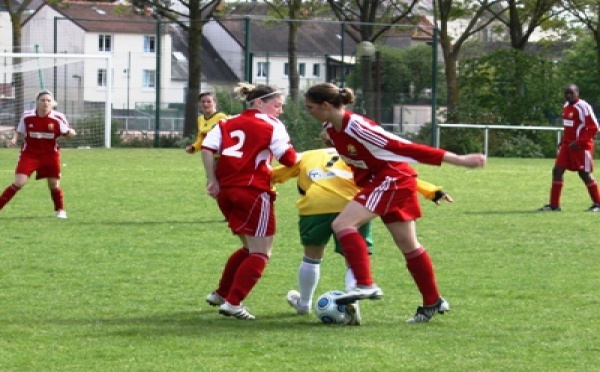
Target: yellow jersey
(326,183)
(205,125)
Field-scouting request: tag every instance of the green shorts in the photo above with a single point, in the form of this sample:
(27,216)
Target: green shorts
(316,230)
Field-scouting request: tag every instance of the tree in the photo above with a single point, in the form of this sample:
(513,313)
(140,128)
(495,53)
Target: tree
(192,22)
(368,20)
(587,12)
(293,11)
(523,17)
(472,12)
(15,12)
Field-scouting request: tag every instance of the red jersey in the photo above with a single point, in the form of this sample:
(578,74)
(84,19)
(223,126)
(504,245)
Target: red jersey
(41,132)
(247,143)
(374,154)
(579,123)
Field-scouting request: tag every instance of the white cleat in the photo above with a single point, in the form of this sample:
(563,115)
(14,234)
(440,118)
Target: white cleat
(215,299)
(239,312)
(61,214)
(293,298)
(372,292)
(353,314)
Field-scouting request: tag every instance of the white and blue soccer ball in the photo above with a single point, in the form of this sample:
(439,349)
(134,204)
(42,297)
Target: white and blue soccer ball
(328,311)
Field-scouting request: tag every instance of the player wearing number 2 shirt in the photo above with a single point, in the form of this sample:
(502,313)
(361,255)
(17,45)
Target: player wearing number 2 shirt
(241,183)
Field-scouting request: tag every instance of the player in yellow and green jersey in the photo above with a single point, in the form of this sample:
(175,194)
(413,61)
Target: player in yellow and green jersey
(207,120)
(326,185)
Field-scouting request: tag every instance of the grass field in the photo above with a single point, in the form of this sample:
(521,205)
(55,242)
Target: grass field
(120,285)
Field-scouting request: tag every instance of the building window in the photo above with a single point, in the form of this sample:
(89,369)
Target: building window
(316,70)
(101,77)
(286,69)
(149,44)
(104,43)
(302,69)
(262,69)
(149,79)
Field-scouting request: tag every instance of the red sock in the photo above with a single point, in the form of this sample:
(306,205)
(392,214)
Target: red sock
(8,194)
(593,191)
(57,198)
(232,265)
(420,267)
(356,254)
(246,277)
(555,192)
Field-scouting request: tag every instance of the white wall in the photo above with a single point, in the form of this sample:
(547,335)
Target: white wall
(128,62)
(5,33)
(279,79)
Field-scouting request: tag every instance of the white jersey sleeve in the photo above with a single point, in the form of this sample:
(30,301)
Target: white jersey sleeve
(280,141)
(213,139)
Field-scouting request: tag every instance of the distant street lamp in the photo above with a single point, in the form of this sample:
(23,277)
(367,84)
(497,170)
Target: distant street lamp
(79,92)
(365,51)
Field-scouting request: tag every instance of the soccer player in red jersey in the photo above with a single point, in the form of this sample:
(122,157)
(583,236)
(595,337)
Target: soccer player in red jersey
(576,151)
(40,152)
(379,161)
(241,183)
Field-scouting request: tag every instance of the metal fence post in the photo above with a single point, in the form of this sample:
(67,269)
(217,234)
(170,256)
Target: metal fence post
(157,84)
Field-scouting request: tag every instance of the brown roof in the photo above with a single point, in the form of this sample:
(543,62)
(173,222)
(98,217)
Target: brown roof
(312,38)
(107,17)
(315,36)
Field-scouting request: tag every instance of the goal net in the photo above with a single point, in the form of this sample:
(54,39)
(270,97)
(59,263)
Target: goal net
(81,85)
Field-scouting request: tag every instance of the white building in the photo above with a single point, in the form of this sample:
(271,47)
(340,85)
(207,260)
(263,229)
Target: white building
(127,35)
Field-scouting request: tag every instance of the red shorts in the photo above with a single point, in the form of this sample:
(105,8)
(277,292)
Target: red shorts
(394,199)
(45,166)
(575,160)
(248,211)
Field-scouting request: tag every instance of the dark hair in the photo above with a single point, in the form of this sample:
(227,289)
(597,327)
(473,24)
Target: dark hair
(204,94)
(251,93)
(327,92)
(573,88)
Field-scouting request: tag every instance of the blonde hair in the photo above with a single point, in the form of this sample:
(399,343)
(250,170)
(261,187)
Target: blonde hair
(46,92)
(251,93)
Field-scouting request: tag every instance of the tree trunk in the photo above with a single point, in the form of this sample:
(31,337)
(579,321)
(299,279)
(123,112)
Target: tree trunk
(294,79)
(19,106)
(190,127)
(452,86)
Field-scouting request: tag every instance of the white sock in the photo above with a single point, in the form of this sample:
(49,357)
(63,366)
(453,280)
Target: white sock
(350,280)
(308,278)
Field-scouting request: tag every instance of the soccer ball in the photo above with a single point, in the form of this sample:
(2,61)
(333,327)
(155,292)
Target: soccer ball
(328,311)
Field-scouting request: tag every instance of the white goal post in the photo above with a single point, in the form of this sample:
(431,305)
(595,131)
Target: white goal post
(487,128)
(81,85)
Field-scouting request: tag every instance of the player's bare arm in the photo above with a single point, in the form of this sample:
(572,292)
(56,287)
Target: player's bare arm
(469,160)
(13,141)
(70,133)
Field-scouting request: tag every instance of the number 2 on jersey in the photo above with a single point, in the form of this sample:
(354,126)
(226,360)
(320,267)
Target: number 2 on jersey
(233,150)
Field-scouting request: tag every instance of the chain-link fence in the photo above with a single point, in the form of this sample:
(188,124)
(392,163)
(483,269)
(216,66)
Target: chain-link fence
(151,63)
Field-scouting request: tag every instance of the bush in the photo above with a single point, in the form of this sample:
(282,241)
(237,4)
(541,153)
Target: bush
(303,129)
(519,147)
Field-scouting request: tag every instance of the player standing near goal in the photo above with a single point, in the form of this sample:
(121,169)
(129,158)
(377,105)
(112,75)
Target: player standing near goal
(241,183)
(379,161)
(576,151)
(40,152)
(326,185)
(207,120)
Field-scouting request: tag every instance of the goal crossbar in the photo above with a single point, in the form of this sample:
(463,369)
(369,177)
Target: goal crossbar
(38,61)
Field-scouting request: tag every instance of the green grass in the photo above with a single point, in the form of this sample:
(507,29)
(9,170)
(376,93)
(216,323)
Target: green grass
(120,285)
